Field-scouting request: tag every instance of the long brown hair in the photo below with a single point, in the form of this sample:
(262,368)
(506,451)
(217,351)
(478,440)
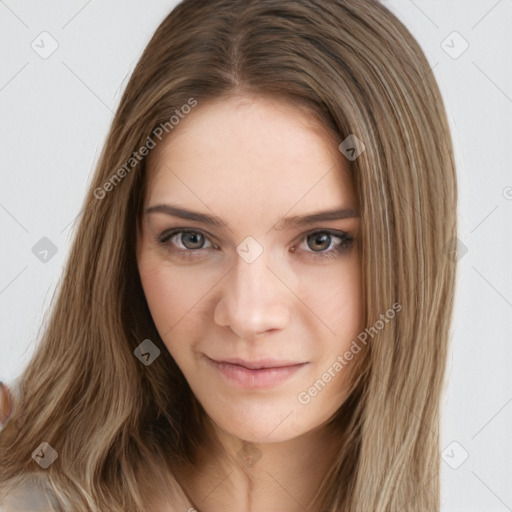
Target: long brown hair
(115,422)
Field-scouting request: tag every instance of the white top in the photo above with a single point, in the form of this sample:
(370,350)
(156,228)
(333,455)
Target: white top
(27,498)
(33,497)
(30,496)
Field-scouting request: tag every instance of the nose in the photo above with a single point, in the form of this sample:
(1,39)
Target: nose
(253,300)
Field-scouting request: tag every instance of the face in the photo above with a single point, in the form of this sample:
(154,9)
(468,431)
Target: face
(253,288)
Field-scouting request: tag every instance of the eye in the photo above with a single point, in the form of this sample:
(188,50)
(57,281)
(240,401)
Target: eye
(326,244)
(192,239)
(185,242)
(188,243)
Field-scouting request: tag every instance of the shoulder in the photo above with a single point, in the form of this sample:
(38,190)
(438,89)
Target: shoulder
(31,495)
(27,496)
(174,499)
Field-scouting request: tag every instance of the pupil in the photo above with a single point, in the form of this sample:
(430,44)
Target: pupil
(321,241)
(192,240)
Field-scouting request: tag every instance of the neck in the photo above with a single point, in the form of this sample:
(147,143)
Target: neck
(282,476)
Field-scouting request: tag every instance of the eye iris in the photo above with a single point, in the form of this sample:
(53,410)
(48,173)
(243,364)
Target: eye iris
(321,241)
(192,240)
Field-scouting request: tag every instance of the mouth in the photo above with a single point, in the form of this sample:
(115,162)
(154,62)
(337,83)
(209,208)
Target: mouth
(265,373)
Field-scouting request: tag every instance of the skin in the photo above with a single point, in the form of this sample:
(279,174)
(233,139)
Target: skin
(252,161)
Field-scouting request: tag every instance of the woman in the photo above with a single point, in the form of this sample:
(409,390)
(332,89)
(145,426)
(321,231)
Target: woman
(255,311)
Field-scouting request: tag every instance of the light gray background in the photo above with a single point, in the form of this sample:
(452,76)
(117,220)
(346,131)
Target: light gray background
(54,116)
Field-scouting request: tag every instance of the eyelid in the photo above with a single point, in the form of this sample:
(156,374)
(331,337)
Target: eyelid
(344,237)
(171,232)
(335,232)
(165,238)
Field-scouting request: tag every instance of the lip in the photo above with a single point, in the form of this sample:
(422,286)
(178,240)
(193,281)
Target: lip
(264,373)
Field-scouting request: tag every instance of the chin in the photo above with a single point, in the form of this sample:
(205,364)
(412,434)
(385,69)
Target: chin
(260,428)
(261,435)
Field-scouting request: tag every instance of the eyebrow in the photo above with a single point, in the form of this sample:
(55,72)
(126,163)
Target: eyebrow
(288,222)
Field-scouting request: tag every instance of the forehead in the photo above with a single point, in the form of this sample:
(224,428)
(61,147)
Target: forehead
(250,154)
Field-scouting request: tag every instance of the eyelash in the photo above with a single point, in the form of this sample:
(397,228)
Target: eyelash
(346,242)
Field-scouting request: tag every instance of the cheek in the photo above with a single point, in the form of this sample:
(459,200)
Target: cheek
(177,299)
(334,295)
(347,298)
(170,296)
(163,301)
